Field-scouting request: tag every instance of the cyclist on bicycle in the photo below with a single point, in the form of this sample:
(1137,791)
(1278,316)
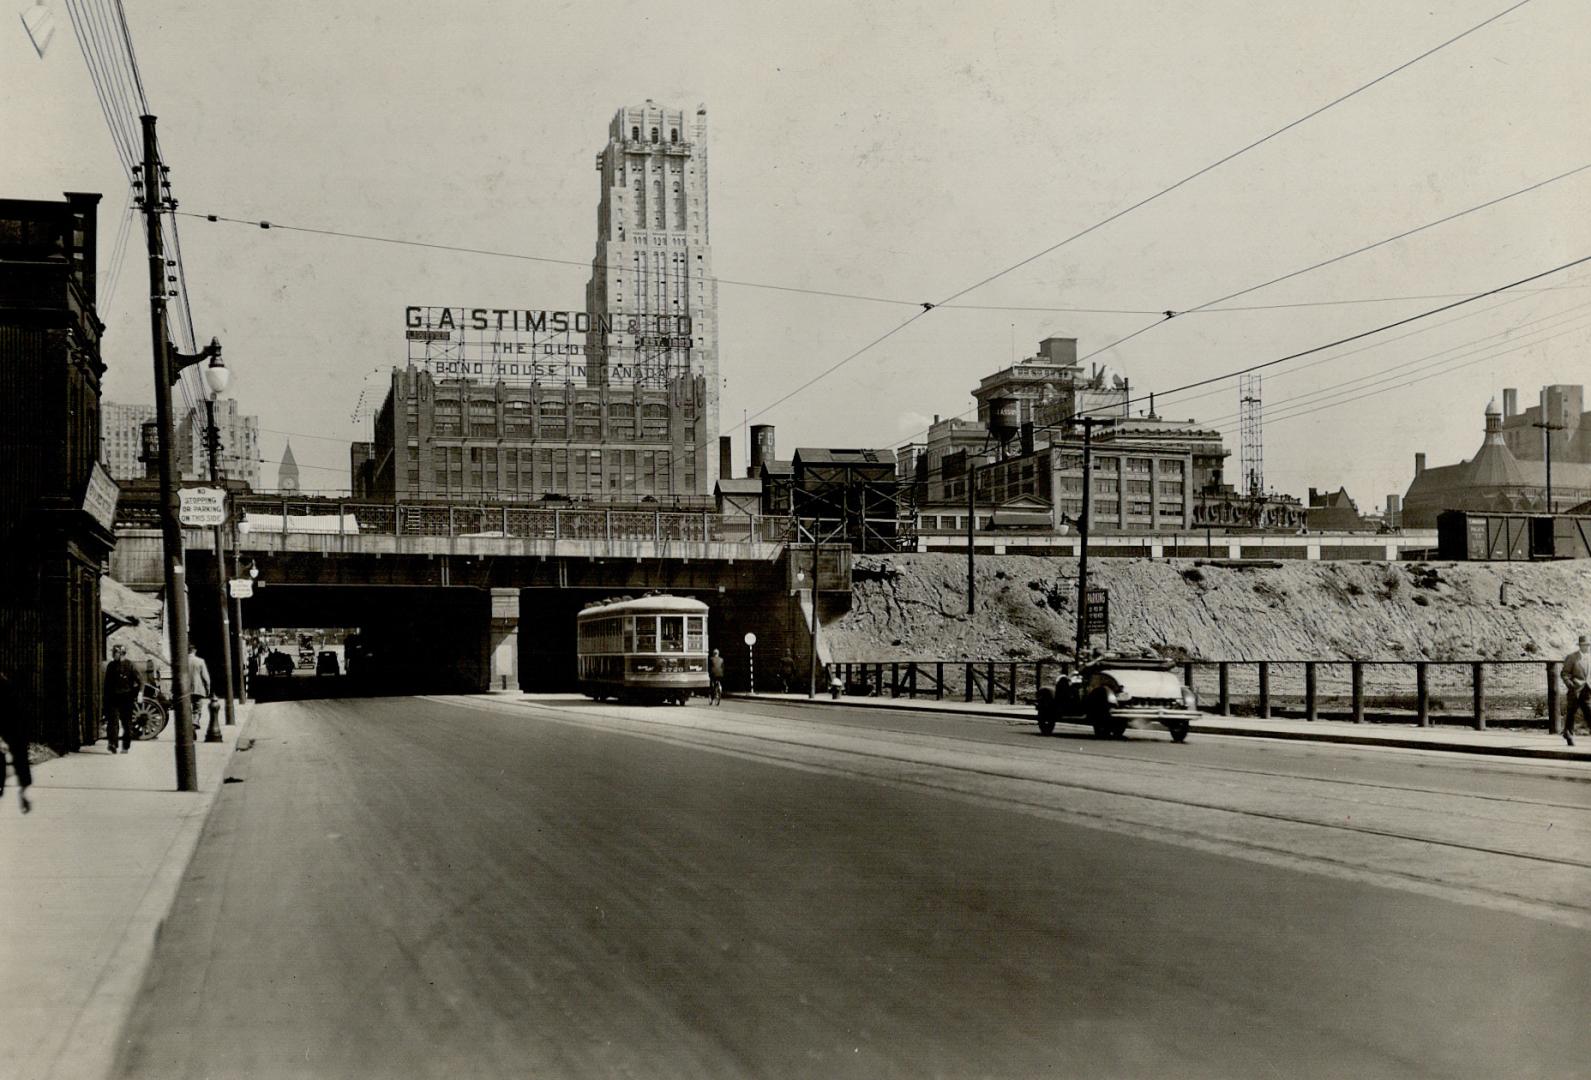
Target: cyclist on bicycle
(715,673)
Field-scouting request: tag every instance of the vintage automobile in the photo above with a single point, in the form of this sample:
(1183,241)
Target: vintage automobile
(326,663)
(1113,693)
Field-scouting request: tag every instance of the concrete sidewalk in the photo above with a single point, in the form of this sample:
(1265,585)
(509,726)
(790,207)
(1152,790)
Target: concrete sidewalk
(1499,741)
(88,878)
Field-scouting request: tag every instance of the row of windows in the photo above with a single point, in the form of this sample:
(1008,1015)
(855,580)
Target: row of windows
(576,472)
(644,634)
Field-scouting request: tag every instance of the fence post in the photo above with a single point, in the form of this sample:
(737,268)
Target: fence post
(1311,694)
(1265,690)
(878,677)
(939,679)
(1554,720)
(557,525)
(397,518)
(894,678)
(1477,672)
(1010,691)
(1422,695)
(1187,673)
(341,515)
(1358,669)
(968,686)
(451,529)
(1225,705)
(911,677)
(505,519)
(988,687)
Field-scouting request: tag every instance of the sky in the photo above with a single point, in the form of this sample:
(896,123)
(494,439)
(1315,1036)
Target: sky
(897,152)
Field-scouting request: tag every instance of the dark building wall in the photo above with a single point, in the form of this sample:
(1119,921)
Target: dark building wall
(51,550)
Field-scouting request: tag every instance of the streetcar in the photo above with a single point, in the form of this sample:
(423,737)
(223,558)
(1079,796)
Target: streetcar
(652,649)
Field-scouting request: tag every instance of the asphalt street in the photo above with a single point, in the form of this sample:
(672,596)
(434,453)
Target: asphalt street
(549,887)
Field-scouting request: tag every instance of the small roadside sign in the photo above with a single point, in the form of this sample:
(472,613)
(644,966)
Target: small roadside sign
(201,508)
(1097,612)
(240,588)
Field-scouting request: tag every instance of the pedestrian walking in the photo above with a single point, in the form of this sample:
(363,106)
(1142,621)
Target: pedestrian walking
(198,682)
(787,673)
(1576,674)
(122,686)
(14,732)
(715,676)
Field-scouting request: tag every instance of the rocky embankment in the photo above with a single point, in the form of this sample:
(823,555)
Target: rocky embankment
(913,607)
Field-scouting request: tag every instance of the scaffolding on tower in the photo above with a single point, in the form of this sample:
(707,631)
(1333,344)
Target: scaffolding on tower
(1252,425)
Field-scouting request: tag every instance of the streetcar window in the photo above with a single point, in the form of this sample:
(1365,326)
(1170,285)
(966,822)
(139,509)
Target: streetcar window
(672,629)
(629,634)
(646,634)
(695,633)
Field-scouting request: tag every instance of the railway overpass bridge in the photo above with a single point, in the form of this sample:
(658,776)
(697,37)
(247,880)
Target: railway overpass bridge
(457,598)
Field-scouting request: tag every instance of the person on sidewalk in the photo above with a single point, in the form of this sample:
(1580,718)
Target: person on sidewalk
(1576,675)
(14,731)
(122,686)
(198,682)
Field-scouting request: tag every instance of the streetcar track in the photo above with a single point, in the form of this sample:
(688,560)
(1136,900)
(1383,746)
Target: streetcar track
(1187,766)
(572,716)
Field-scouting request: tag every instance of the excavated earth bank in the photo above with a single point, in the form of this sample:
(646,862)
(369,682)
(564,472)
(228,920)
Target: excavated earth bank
(913,607)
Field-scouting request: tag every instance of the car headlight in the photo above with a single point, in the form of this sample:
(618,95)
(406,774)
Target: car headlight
(1111,697)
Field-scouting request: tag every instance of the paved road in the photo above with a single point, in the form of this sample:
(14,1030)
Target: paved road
(496,887)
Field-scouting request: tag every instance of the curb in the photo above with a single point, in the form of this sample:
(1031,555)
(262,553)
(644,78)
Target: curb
(1198,728)
(93,1041)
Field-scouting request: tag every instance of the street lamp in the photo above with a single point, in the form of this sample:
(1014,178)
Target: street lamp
(216,377)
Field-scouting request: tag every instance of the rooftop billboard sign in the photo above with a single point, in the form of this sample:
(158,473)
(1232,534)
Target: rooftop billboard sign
(520,345)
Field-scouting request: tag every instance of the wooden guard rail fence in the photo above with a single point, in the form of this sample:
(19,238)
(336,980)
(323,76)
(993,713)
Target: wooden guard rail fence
(1006,681)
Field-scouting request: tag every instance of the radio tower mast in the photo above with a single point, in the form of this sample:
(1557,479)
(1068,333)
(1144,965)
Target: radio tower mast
(1253,434)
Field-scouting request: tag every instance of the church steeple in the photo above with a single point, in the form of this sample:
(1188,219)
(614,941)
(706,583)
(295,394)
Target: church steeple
(287,473)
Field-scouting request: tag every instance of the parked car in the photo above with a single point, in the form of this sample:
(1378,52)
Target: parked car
(1114,693)
(326,663)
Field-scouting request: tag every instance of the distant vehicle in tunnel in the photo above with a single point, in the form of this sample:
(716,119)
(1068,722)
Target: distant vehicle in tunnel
(278,662)
(326,663)
(653,649)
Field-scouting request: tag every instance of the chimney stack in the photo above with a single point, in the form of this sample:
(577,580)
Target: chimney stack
(1510,402)
(761,447)
(726,458)
(1419,464)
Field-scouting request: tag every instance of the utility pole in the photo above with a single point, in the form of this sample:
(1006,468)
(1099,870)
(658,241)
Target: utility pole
(1081,641)
(170,528)
(812,672)
(212,442)
(1547,428)
(972,529)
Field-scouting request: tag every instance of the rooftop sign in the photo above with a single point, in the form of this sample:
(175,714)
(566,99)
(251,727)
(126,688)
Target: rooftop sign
(521,345)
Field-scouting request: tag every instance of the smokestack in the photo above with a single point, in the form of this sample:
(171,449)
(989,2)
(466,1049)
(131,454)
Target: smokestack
(761,447)
(1419,464)
(726,458)
(1510,402)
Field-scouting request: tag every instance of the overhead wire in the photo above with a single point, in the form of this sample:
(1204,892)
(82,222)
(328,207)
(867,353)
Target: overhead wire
(120,138)
(1210,304)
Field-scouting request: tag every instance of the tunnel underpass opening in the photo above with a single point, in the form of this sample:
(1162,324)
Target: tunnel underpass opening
(386,639)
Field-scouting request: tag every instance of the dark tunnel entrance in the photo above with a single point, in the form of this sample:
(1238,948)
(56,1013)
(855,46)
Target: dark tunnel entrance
(356,640)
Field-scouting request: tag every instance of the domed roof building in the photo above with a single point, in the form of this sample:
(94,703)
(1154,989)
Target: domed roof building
(1493,481)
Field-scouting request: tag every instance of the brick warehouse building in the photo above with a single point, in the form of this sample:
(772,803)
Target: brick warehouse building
(618,402)
(448,438)
(57,503)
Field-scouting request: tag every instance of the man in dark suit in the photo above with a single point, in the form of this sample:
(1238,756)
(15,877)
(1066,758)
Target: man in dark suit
(123,684)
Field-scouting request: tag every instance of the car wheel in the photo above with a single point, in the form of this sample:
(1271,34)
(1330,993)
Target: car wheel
(149,719)
(1046,725)
(1179,733)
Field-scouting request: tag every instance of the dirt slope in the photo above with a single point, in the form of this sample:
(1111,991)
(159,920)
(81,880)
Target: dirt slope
(914,607)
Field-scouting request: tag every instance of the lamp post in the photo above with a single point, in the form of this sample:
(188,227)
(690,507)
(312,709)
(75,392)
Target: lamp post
(216,377)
